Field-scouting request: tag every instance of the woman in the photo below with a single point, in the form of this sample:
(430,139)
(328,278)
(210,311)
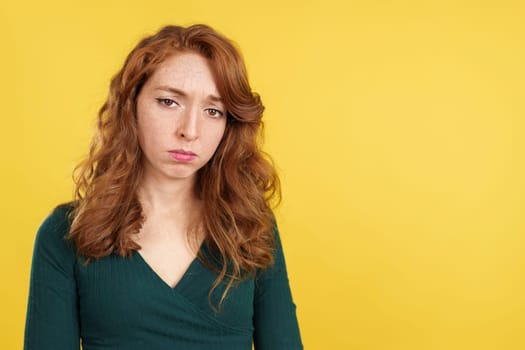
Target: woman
(171,242)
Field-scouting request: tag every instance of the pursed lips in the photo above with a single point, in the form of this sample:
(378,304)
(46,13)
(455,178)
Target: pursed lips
(181,155)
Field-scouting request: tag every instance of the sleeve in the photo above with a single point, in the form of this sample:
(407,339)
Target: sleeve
(275,320)
(52,312)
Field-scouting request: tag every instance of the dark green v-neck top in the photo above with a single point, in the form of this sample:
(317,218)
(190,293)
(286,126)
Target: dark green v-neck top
(121,303)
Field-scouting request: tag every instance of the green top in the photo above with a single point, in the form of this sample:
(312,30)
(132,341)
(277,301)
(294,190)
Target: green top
(121,303)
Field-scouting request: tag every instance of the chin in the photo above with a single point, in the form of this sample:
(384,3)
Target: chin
(173,173)
(180,175)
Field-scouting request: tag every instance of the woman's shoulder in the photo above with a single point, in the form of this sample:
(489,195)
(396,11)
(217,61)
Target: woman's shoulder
(58,220)
(52,234)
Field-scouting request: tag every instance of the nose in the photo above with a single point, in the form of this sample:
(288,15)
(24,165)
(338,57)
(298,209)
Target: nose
(187,126)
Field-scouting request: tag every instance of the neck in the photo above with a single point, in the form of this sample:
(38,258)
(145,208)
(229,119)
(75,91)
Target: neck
(175,199)
(171,211)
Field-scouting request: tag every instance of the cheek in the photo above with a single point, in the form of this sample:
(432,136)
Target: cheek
(218,136)
(149,138)
(150,131)
(147,125)
(142,130)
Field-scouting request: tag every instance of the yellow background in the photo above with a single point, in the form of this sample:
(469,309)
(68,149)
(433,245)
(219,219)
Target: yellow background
(397,127)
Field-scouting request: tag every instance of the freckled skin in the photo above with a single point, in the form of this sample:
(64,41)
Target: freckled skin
(178,109)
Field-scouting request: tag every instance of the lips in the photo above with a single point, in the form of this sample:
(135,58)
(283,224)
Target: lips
(182,156)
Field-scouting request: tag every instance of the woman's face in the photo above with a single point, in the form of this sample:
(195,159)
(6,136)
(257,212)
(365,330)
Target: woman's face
(181,118)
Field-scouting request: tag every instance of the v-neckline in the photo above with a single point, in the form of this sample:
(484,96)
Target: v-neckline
(157,277)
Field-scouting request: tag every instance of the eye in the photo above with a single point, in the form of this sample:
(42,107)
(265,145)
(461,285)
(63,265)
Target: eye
(168,102)
(215,113)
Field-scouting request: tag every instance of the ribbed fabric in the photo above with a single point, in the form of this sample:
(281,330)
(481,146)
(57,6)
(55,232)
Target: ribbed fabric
(121,303)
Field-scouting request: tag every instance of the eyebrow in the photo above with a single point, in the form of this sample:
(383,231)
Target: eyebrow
(176,91)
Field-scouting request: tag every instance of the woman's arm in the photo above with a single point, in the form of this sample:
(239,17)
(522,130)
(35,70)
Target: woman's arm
(275,320)
(52,312)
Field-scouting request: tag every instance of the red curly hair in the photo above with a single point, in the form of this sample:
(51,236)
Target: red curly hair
(237,185)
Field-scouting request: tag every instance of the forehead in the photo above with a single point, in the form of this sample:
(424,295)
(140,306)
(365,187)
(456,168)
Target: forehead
(187,71)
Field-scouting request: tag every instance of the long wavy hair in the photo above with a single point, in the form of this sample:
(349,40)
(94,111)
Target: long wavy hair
(237,186)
